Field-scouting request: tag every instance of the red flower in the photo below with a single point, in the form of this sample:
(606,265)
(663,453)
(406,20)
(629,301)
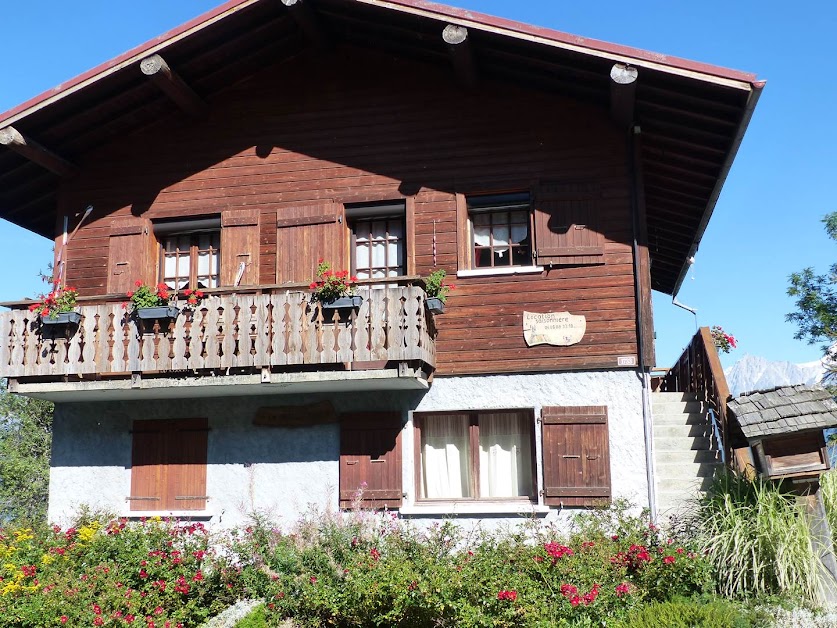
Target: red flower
(623,589)
(98,621)
(138,283)
(64,619)
(668,560)
(507,595)
(575,601)
(313,579)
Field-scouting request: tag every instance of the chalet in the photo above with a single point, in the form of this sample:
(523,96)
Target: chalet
(556,179)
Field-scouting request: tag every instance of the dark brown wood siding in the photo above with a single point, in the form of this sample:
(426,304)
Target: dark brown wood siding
(364,127)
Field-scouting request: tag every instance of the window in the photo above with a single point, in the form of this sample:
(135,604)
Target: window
(475,455)
(168,464)
(190,253)
(378,239)
(500,230)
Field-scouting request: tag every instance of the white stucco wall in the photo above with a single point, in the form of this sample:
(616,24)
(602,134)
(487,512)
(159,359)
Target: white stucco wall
(284,471)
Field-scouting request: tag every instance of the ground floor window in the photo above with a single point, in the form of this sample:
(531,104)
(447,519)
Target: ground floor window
(168,464)
(486,454)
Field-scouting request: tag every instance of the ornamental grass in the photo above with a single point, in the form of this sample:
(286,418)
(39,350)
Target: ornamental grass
(758,540)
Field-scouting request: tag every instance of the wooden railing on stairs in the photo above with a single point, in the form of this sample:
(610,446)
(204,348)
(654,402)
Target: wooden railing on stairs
(699,371)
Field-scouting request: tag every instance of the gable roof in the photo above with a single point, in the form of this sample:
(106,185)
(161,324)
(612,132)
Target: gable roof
(692,115)
(784,410)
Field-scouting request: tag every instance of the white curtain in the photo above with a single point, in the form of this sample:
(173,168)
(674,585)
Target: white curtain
(505,455)
(445,471)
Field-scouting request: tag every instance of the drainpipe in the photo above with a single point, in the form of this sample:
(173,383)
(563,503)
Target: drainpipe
(647,423)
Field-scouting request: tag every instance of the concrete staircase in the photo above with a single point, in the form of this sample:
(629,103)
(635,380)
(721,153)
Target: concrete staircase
(685,454)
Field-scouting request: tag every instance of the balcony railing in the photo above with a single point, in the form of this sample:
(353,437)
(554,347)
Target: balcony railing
(236,331)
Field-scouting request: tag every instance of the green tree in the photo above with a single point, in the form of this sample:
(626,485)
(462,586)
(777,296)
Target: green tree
(25,442)
(816,301)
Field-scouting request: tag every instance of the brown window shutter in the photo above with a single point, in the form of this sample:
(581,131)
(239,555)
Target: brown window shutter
(147,466)
(306,233)
(567,226)
(240,244)
(576,456)
(128,253)
(370,453)
(168,464)
(186,457)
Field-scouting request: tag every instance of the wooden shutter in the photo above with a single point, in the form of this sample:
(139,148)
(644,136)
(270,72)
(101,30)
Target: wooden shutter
(576,456)
(240,244)
(186,465)
(147,466)
(168,464)
(567,225)
(370,452)
(128,253)
(306,233)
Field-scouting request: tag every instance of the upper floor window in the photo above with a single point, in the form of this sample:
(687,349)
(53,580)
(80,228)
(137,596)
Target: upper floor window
(501,230)
(378,239)
(190,253)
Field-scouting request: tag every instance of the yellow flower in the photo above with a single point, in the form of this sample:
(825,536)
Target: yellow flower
(46,559)
(86,533)
(23,535)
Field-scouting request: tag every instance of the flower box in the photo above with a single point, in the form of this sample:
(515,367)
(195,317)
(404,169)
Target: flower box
(62,318)
(157,312)
(343,302)
(435,305)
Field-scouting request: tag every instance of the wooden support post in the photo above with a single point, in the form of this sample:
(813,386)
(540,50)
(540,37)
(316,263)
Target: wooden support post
(307,20)
(623,93)
(462,57)
(34,152)
(172,85)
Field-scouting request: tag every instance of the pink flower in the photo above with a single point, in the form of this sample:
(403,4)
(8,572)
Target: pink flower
(64,619)
(623,589)
(668,560)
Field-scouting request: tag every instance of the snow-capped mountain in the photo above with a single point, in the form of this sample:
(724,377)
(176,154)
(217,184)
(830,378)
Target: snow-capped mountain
(754,373)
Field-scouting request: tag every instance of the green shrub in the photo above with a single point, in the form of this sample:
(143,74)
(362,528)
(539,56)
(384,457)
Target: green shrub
(255,619)
(758,540)
(363,569)
(687,613)
(103,573)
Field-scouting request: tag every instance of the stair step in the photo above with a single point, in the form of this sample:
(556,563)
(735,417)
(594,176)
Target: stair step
(676,407)
(693,418)
(674,396)
(681,443)
(680,431)
(686,457)
(691,486)
(677,470)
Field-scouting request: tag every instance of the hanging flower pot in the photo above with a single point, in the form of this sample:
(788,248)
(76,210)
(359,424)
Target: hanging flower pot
(157,312)
(353,300)
(435,305)
(61,318)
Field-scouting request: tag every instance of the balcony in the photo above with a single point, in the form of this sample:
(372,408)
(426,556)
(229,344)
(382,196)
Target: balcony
(256,342)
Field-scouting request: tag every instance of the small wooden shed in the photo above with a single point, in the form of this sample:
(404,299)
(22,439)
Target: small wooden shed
(784,428)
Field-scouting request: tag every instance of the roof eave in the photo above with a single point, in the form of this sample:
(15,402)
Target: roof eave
(752,100)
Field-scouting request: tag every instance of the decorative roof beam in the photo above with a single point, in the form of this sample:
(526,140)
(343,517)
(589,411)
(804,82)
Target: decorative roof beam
(461,54)
(623,94)
(307,20)
(34,152)
(172,85)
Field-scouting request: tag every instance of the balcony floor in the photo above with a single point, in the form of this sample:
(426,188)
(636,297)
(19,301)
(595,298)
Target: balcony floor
(226,385)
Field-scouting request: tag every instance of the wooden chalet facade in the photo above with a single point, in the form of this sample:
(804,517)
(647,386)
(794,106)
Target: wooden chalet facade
(391,139)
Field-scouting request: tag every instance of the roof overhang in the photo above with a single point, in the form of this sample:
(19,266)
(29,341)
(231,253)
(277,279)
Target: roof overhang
(692,115)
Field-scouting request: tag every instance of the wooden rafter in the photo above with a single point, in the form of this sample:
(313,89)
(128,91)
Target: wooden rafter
(623,94)
(462,57)
(172,85)
(308,20)
(34,152)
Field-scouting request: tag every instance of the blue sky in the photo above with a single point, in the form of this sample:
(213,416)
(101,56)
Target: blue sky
(766,224)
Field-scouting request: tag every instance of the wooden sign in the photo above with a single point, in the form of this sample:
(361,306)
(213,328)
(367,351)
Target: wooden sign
(553,328)
(296,416)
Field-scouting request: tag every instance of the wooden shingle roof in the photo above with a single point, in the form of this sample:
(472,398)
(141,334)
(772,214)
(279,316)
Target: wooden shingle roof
(784,410)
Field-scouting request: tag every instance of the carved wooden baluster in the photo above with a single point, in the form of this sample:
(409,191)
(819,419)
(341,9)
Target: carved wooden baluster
(278,329)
